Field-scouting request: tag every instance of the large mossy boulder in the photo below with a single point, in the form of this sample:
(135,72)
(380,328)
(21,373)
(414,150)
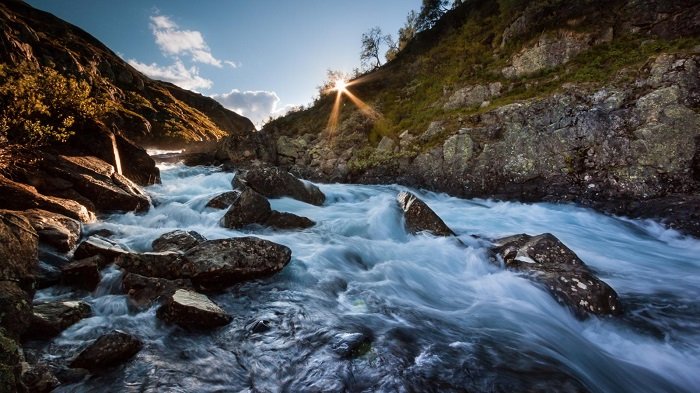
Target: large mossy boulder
(546,260)
(419,217)
(273,182)
(192,310)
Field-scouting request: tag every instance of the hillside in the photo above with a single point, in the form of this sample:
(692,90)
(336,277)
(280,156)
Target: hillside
(590,101)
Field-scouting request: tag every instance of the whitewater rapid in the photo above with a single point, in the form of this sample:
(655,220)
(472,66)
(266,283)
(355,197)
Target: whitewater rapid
(438,315)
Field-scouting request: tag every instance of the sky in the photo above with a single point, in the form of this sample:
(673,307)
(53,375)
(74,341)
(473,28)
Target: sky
(256,57)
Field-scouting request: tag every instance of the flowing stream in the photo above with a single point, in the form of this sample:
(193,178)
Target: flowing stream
(432,314)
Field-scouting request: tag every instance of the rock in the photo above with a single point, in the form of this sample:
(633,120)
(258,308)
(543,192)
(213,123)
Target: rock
(169,264)
(99,182)
(276,183)
(548,261)
(221,263)
(97,245)
(143,291)
(108,350)
(136,163)
(473,96)
(50,319)
(259,326)
(351,345)
(10,366)
(55,229)
(549,51)
(15,309)
(223,201)
(386,144)
(39,379)
(18,196)
(83,273)
(288,221)
(249,208)
(177,240)
(419,217)
(18,248)
(47,275)
(193,310)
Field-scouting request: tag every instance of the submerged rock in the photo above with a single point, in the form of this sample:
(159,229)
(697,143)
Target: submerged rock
(275,183)
(548,261)
(190,309)
(283,220)
(351,345)
(169,264)
(419,217)
(143,291)
(223,201)
(110,349)
(177,240)
(97,245)
(221,263)
(83,273)
(54,229)
(50,319)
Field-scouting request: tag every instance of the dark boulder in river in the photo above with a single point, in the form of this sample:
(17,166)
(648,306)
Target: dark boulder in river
(109,350)
(250,207)
(143,291)
(83,273)
(275,183)
(224,200)
(55,230)
(548,261)
(169,264)
(98,245)
(192,310)
(51,318)
(177,240)
(421,218)
(222,263)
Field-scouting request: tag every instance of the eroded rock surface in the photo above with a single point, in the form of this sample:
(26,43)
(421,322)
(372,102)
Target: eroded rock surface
(190,309)
(177,240)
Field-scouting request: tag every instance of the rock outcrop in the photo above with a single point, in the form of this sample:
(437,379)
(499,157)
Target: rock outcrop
(274,182)
(192,310)
(548,261)
(108,350)
(419,217)
(50,319)
(19,196)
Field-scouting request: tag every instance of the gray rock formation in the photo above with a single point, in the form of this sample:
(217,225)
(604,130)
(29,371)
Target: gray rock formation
(98,245)
(169,264)
(252,208)
(224,200)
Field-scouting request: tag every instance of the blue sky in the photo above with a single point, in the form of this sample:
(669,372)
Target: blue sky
(257,57)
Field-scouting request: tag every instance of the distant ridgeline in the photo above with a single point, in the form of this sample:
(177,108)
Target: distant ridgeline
(589,101)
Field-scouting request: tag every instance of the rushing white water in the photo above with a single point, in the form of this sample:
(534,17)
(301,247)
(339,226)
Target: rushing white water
(438,315)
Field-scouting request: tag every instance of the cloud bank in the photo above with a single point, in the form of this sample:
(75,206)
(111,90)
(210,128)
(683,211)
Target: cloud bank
(258,105)
(176,73)
(174,41)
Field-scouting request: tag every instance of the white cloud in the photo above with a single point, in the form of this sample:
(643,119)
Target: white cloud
(258,106)
(176,73)
(232,63)
(174,41)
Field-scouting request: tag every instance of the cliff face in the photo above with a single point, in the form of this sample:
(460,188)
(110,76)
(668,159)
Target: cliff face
(596,102)
(145,111)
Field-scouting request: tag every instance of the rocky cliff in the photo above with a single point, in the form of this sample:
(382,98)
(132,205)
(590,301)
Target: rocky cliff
(595,102)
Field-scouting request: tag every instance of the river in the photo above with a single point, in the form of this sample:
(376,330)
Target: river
(433,314)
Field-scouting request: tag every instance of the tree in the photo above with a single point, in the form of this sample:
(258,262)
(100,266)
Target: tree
(430,13)
(371,41)
(408,31)
(393,48)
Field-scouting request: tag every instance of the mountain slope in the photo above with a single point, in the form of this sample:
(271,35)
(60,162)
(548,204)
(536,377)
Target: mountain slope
(589,101)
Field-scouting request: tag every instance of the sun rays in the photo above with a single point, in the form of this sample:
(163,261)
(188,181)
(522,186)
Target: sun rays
(340,86)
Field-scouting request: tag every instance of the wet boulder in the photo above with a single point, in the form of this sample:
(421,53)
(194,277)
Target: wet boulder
(39,378)
(143,291)
(15,309)
(55,230)
(222,263)
(83,273)
(275,183)
(351,345)
(50,319)
(252,208)
(192,310)
(108,350)
(283,220)
(223,201)
(421,218)
(168,264)
(545,259)
(177,240)
(98,245)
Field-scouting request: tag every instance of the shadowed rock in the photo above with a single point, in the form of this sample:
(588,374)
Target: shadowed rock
(252,208)
(190,309)
(177,240)
(282,220)
(39,378)
(548,261)
(169,264)
(419,217)
(222,263)
(54,229)
(143,291)
(276,183)
(50,319)
(109,350)
(83,273)
(223,201)
(97,245)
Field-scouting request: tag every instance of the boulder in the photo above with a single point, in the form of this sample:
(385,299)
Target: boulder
(223,201)
(169,264)
(109,350)
(47,275)
(83,273)
(18,196)
(221,263)
(249,208)
(276,183)
(177,240)
(39,378)
(55,230)
(98,245)
(545,259)
(10,366)
(419,217)
(193,310)
(143,291)
(351,345)
(50,319)
(282,220)
(137,165)
(15,309)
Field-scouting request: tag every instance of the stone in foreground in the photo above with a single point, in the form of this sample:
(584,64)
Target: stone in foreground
(55,229)
(177,240)
(83,273)
(222,263)
(249,208)
(421,218)
(169,264)
(276,183)
(548,261)
(192,310)
(143,291)
(50,319)
(98,245)
(110,349)
(283,220)
(223,201)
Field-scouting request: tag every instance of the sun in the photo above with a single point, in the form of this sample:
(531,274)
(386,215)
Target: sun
(340,85)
